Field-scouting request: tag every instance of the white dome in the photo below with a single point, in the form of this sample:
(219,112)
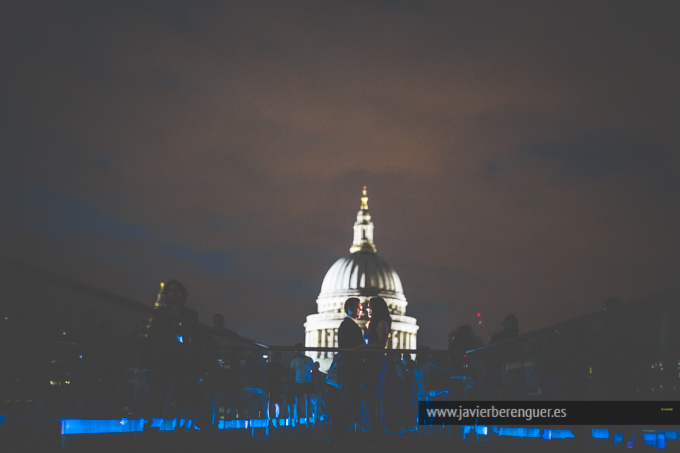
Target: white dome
(361,274)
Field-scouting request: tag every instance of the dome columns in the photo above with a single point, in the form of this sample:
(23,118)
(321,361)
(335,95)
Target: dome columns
(321,331)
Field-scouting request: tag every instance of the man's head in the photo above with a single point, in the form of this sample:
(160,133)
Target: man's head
(353,307)
(276,357)
(299,349)
(175,294)
(218,321)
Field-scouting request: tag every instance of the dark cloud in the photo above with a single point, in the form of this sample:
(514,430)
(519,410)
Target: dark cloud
(519,157)
(599,156)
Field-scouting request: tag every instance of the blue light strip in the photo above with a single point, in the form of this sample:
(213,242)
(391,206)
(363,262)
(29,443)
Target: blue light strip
(599,433)
(519,432)
(82,426)
(557,434)
(79,426)
(479,430)
(88,426)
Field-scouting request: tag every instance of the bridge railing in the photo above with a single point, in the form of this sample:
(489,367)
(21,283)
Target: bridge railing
(631,352)
(72,351)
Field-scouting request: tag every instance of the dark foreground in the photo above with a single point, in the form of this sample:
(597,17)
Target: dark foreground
(302,439)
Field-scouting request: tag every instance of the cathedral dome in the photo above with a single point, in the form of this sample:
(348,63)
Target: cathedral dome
(361,273)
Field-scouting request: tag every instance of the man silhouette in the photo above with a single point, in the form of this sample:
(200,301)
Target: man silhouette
(350,336)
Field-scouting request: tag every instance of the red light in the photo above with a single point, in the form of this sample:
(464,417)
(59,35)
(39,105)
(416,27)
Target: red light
(479,314)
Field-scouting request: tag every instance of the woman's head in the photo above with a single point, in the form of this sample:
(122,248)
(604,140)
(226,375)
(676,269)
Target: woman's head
(379,310)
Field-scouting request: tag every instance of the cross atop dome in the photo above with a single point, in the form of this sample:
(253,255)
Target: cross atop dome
(363,229)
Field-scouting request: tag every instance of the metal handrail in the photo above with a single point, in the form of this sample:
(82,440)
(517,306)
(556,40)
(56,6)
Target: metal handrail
(11,265)
(669,296)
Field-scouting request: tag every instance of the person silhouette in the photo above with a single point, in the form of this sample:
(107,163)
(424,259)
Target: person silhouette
(349,366)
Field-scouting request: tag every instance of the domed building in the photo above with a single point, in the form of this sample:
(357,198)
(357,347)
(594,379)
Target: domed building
(362,274)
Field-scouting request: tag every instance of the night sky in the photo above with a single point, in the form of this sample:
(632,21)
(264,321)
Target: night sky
(520,157)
